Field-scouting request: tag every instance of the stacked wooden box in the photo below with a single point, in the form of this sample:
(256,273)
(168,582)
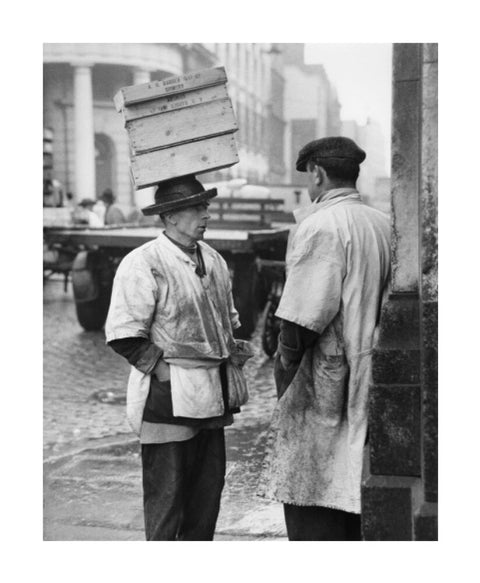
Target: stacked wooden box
(178,126)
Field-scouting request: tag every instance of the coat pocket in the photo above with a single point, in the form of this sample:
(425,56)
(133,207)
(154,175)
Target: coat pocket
(237,386)
(330,382)
(196,392)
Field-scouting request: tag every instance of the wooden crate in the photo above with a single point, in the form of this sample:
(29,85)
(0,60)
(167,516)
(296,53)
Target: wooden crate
(193,157)
(169,86)
(180,125)
(183,125)
(173,102)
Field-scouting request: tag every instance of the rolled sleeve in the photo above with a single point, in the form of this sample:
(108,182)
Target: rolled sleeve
(140,352)
(313,289)
(133,301)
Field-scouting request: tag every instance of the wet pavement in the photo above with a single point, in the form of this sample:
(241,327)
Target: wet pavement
(92,473)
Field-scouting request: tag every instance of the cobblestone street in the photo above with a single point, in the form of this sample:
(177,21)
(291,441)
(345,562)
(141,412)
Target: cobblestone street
(80,373)
(92,467)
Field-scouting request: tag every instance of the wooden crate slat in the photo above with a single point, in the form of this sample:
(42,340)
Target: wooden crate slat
(189,158)
(169,86)
(176,127)
(174,102)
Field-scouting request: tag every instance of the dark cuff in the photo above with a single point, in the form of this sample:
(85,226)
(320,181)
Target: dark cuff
(288,353)
(289,344)
(294,340)
(149,359)
(140,352)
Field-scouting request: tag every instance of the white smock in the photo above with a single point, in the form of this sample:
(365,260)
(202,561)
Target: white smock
(337,270)
(157,295)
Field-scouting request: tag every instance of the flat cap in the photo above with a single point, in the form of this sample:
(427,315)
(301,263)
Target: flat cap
(338,148)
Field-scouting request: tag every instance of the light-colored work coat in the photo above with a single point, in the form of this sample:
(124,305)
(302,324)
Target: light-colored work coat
(337,270)
(157,295)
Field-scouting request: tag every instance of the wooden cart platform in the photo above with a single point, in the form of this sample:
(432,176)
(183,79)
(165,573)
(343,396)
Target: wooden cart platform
(99,252)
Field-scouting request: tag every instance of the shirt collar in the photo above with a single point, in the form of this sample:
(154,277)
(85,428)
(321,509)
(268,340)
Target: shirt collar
(190,249)
(207,252)
(165,241)
(331,195)
(336,193)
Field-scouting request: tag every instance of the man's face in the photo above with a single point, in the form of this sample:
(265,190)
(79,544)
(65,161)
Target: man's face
(192,221)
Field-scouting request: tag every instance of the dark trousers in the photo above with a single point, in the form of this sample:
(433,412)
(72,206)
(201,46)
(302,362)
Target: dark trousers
(320,523)
(182,486)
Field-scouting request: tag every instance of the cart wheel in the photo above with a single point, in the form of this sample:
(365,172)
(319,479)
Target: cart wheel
(91,289)
(92,315)
(271,329)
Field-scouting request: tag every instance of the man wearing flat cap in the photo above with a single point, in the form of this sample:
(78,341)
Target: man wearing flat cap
(338,268)
(172,316)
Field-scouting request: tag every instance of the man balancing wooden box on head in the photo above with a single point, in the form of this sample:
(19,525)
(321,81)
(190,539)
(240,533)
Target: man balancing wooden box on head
(337,271)
(172,317)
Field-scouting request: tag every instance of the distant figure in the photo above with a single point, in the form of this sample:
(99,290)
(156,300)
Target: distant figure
(135,217)
(52,193)
(69,200)
(84,214)
(113,214)
(99,209)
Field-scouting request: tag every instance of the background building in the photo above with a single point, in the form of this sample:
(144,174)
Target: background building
(311,110)
(253,71)
(280,104)
(90,147)
(374,181)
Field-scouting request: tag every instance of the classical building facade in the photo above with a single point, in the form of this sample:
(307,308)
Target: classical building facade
(279,102)
(90,146)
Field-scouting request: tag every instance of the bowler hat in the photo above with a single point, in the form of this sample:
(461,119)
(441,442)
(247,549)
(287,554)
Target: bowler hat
(336,148)
(178,193)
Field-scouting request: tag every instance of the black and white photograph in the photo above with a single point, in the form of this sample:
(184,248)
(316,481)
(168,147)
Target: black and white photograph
(238,313)
(239,325)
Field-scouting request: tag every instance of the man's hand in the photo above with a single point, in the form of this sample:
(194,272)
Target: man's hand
(283,375)
(162,371)
(287,364)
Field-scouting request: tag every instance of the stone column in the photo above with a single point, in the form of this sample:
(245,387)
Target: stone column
(399,487)
(84,132)
(144,196)
(426,517)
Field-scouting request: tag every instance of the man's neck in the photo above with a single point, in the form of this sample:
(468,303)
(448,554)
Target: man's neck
(181,239)
(333,186)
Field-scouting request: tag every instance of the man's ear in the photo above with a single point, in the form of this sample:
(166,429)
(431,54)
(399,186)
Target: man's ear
(170,218)
(320,175)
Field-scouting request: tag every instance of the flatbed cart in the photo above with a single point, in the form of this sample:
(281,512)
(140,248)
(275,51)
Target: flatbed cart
(99,252)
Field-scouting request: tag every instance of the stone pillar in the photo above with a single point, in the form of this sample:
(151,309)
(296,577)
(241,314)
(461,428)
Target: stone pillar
(84,133)
(144,196)
(400,468)
(426,517)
